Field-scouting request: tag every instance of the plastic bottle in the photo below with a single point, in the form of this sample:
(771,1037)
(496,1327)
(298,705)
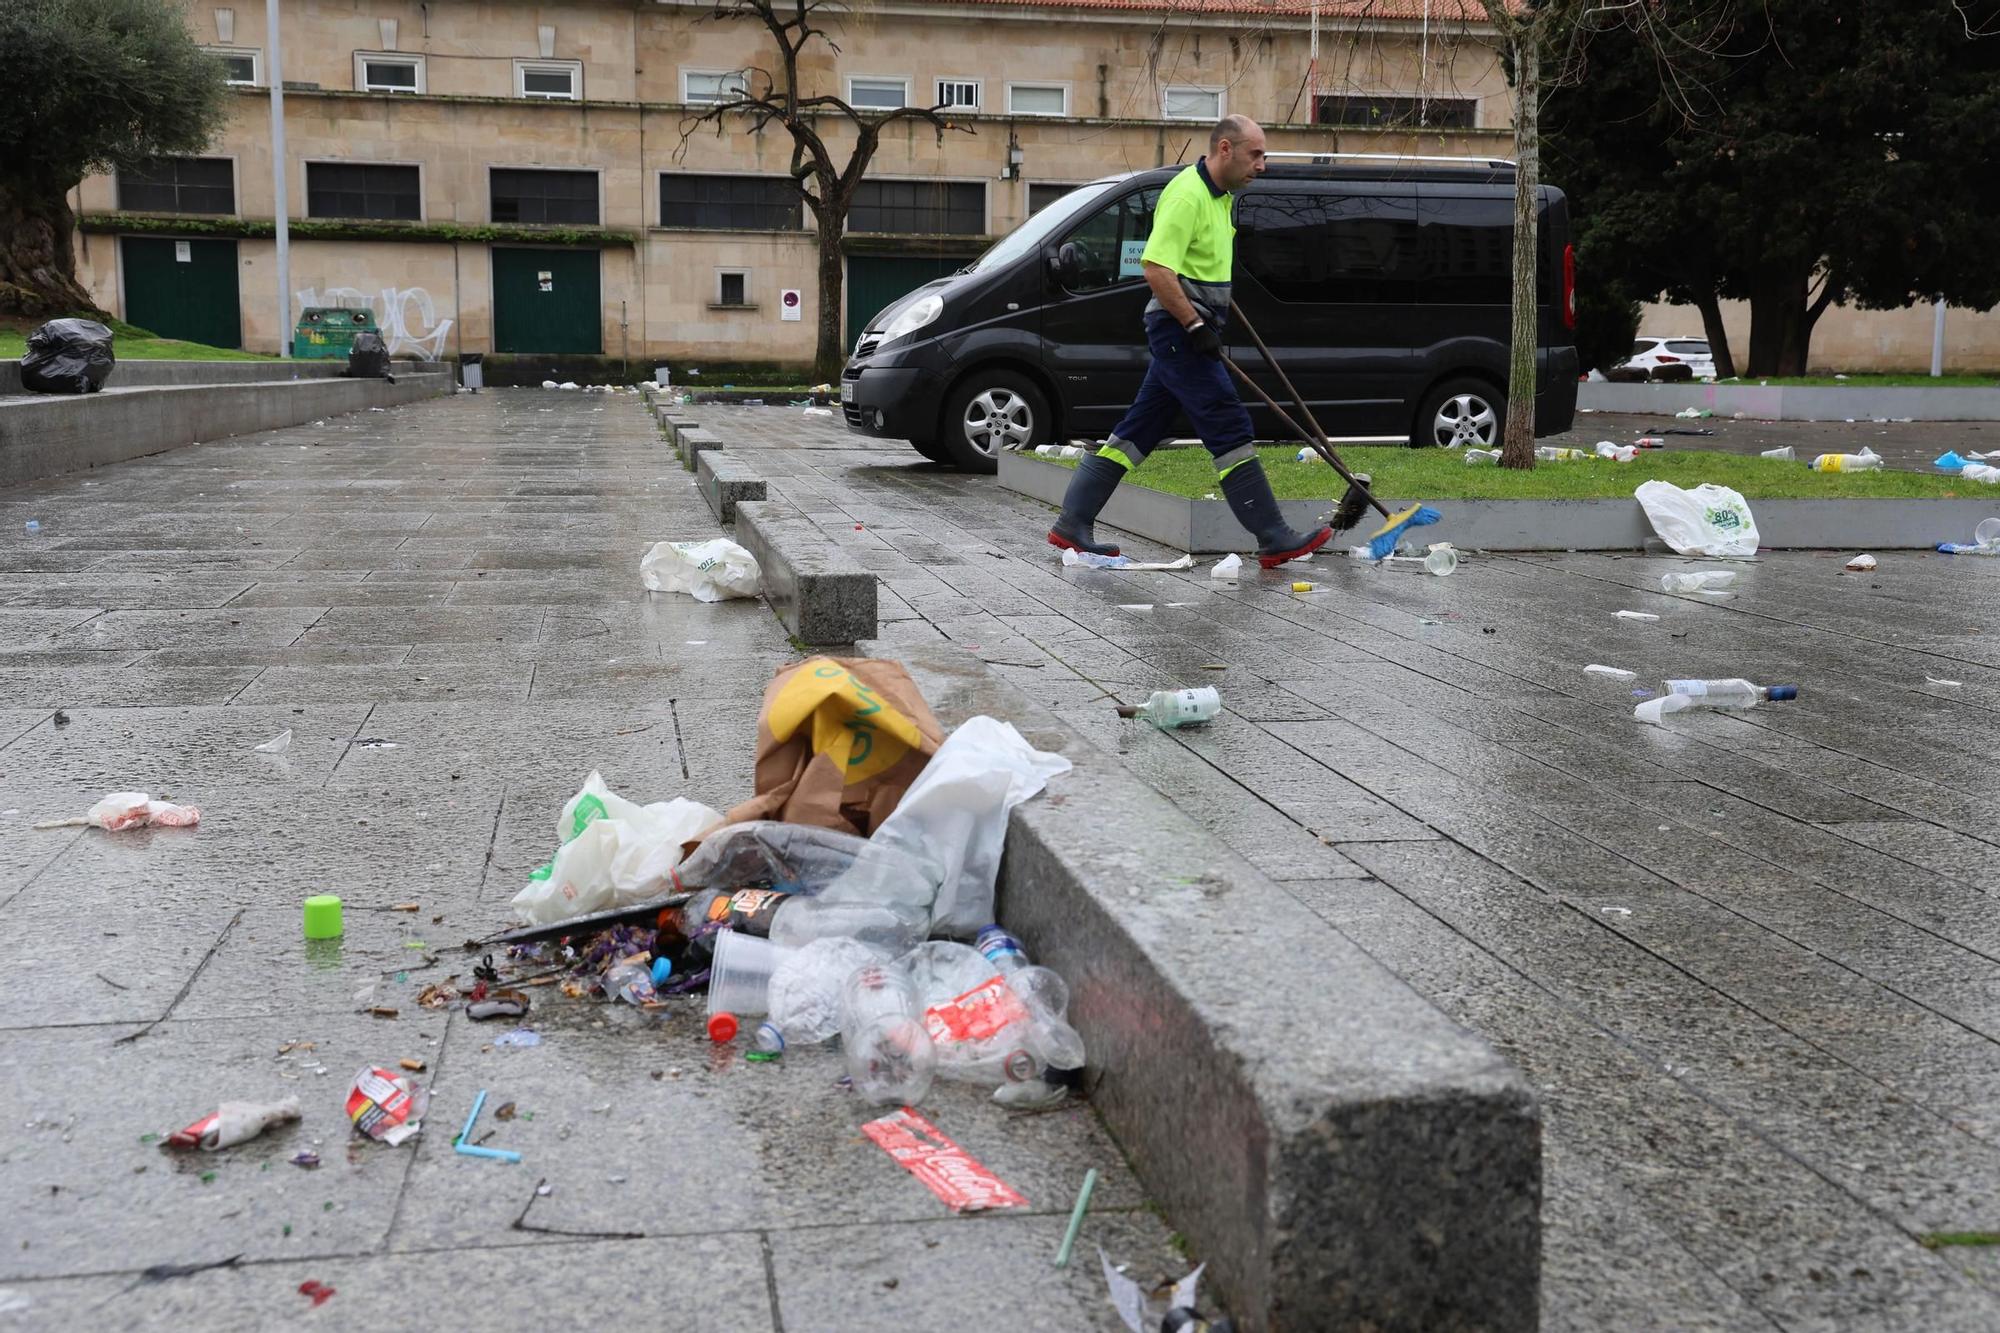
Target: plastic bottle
(1865,461)
(1732,693)
(1617,453)
(1482,457)
(768,1040)
(1169,709)
(1549,453)
(889,1055)
(1649,442)
(630,982)
(1041,992)
(1698,581)
(1058,451)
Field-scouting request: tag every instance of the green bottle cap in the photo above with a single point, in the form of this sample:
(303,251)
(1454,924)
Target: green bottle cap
(323,917)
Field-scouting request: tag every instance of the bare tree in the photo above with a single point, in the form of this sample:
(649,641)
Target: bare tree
(766,97)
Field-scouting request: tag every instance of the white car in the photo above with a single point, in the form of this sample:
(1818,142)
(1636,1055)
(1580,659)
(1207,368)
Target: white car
(1649,354)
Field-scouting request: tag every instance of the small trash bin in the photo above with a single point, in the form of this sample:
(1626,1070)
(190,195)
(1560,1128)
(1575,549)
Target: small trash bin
(471,371)
(326,333)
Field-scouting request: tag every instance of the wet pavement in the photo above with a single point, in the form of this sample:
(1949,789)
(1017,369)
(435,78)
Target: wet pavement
(1751,960)
(442,603)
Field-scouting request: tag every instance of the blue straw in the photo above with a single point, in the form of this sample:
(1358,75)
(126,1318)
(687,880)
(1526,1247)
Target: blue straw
(465,1144)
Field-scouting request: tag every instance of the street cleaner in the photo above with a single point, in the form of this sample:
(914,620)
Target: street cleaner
(1187,263)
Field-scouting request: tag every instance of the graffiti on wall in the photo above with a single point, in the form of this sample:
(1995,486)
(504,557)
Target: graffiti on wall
(407,316)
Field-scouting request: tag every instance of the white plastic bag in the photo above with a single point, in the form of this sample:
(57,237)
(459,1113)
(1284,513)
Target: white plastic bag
(613,853)
(1708,520)
(955,815)
(710,570)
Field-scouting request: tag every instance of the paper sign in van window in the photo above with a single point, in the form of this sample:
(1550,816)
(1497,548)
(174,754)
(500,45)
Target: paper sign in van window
(1128,259)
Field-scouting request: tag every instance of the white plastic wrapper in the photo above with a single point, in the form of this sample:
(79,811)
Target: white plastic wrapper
(614,853)
(710,571)
(1709,520)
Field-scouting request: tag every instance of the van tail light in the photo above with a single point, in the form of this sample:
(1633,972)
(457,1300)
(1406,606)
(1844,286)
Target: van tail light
(1569,286)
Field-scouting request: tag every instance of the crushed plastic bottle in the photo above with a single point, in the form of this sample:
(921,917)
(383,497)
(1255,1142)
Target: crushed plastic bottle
(1617,453)
(1702,580)
(1865,461)
(1783,453)
(1041,992)
(1731,693)
(1482,457)
(1549,453)
(822,884)
(889,1054)
(1171,709)
(1058,451)
(631,982)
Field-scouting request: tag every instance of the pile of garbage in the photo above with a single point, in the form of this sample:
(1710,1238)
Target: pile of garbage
(851,896)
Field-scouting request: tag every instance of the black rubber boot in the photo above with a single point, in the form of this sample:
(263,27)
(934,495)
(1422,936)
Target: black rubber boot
(1095,479)
(1248,491)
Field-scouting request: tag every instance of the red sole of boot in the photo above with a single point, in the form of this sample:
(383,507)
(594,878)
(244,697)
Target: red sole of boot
(1058,540)
(1318,539)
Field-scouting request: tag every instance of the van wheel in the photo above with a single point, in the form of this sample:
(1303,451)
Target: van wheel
(929,449)
(989,413)
(1465,413)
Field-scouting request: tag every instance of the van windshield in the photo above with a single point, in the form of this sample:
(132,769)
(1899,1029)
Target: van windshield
(1030,234)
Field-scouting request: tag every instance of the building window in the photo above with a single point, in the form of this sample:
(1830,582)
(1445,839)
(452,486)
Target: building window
(1187,103)
(1038,99)
(732,287)
(178,185)
(1041,195)
(544,196)
(878,94)
(923,207)
(363,190)
(550,81)
(239,65)
(960,93)
(730,203)
(388,74)
(706,87)
(1387,113)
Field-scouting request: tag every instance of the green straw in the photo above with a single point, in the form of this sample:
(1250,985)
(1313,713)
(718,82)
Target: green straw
(1076,1217)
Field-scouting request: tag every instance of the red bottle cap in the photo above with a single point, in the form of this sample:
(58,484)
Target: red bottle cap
(722,1027)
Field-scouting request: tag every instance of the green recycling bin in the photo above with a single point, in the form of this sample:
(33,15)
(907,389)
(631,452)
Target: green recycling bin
(327,332)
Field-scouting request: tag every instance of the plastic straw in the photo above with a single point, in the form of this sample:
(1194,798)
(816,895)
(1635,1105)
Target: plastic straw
(1076,1217)
(466,1146)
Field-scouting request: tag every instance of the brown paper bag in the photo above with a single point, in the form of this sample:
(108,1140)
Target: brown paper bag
(839,740)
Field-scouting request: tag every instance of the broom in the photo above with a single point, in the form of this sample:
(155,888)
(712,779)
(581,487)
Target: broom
(1382,542)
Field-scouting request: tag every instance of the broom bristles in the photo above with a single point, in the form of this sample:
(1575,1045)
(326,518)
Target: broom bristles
(1353,504)
(1383,544)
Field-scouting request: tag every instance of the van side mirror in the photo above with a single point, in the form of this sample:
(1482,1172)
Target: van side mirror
(1067,265)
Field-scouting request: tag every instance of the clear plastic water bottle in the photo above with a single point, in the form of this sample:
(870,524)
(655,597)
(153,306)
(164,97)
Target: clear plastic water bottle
(1732,693)
(1168,709)
(889,1054)
(1865,461)
(1041,992)
(1549,453)
(1699,581)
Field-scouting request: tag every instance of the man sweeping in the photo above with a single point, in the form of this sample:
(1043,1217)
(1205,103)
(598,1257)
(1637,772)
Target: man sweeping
(1187,264)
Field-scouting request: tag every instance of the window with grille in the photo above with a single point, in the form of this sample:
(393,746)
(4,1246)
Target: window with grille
(955,208)
(362,190)
(544,196)
(961,93)
(730,203)
(1388,113)
(178,185)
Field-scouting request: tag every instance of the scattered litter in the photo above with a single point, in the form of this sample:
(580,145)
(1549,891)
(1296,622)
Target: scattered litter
(1614,911)
(1653,710)
(1980,472)
(278,744)
(1171,709)
(1550,453)
(1088,559)
(307,1159)
(946,1169)
(1617,673)
(1937,680)
(1861,564)
(1135,606)
(1865,461)
(129,810)
(464,1145)
(386,1106)
(710,571)
(1693,414)
(1058,451)
(1950,461)
(817,411)
(613,853)
(1635,615)
(414,1066)
(1704,580)
(233,1123)
(319,1291)
(1617,453)
(519,1038)
(1130,1301)
(323,919)
(1076,1218)
(1481,458)
(1303,586)
(1708,520)
(374,743)
(1229,567)
(496,1004)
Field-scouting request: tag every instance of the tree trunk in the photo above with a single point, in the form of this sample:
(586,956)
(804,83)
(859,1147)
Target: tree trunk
(1780,323)
(1517,448)
(1718,337)
(37,259)
(831,353)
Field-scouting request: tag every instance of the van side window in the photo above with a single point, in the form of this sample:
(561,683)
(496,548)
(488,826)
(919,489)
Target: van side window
(1468,248)
(1320,249)
(1110,241)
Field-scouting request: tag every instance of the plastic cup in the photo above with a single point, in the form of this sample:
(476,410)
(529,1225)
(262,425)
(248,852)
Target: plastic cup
(1442,559)
(323,917)
(1987,533)
(739,975)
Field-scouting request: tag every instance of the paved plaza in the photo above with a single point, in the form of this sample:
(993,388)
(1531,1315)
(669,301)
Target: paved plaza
(1751,961)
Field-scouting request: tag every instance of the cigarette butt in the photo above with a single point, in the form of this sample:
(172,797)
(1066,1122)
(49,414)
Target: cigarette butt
(1302,587)
(383,1011)
(414,1066)
(407,907)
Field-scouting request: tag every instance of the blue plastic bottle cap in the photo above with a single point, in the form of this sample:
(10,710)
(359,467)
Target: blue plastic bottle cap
(1784,691)
(662,969)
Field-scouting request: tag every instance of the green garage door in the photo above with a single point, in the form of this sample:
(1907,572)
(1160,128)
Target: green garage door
(873,281)
(547,301)
(182,289)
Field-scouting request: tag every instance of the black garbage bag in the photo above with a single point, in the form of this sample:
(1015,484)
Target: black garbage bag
(68,356)
(368,358)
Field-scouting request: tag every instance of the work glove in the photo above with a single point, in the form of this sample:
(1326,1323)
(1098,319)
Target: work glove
(1205,340)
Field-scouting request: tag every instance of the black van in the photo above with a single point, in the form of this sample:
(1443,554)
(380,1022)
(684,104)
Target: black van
(1381,284)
